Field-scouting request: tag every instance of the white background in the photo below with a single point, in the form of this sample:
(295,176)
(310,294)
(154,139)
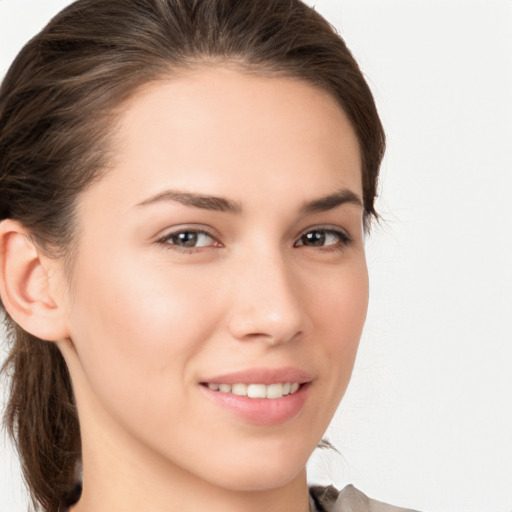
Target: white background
(427,420)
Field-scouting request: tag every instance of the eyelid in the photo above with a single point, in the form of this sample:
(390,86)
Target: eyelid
(345,238)
(184,228)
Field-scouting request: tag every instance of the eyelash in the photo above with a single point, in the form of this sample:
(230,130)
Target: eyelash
(165,240)
(344,240)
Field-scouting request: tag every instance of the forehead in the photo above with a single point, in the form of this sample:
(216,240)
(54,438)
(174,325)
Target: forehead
(233,128)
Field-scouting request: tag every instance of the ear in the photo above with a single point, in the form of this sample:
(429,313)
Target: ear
(27,284)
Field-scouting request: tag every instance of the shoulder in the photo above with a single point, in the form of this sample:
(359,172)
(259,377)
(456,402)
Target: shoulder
(350,499)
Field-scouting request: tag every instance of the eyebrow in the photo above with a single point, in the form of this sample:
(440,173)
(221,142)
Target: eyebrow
(218,204)
(221,204)
(326,203)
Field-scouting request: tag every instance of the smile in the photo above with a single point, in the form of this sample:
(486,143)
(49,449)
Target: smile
(271,391)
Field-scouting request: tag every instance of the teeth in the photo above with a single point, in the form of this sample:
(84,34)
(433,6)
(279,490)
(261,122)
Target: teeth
(257,391)
(239,389)
(277,390)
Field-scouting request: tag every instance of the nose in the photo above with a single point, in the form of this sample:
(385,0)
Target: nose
(266,301)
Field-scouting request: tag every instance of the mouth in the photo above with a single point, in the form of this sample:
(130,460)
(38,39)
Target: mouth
(270,391)
(260,396)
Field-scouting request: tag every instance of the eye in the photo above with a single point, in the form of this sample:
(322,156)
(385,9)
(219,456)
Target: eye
(329,239)
(189,239)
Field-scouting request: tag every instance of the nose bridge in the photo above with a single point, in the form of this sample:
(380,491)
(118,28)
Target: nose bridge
(266,302)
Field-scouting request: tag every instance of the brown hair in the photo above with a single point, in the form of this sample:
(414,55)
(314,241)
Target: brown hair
(58,103)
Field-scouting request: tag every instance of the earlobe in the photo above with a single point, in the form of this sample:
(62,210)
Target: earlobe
(25,285)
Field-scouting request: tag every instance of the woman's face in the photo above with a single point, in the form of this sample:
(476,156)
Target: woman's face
(222,254)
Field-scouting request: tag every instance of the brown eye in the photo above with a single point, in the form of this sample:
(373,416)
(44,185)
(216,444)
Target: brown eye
(329,238)
(313,238)
(189,239)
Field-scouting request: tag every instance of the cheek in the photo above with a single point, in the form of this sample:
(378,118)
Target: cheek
(135,327)
(340,304)
(338,311)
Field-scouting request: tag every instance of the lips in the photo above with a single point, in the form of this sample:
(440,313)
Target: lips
(264,396)
(262,376)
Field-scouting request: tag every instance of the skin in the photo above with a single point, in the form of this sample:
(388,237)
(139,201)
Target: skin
(147,320)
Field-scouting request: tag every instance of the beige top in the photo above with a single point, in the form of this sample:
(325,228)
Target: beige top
(329,499)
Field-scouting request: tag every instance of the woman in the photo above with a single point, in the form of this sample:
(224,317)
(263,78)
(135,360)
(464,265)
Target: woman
(185,189)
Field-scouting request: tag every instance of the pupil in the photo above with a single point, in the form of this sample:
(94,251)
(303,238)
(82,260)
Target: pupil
(187,239)
(315,238)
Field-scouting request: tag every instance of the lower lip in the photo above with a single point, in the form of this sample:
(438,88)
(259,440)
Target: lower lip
(261,411)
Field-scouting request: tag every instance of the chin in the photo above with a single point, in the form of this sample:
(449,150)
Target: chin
(266,471)
(252,480)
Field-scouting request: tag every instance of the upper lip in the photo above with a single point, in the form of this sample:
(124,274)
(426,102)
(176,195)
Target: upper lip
(262,376)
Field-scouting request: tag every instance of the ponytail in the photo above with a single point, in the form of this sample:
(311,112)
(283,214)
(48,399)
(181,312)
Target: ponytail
(42,419)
